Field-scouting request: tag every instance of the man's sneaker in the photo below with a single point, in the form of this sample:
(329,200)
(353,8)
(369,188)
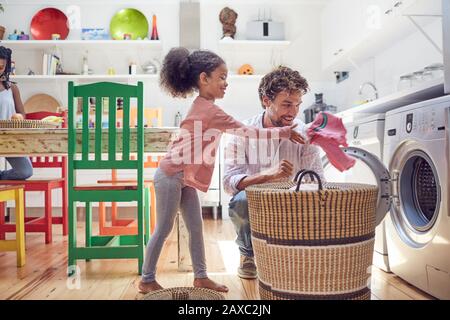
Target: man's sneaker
(247,268)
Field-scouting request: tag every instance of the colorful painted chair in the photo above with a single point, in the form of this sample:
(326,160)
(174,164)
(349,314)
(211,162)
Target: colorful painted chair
(15,192)
(118,157)
(42,224)
(128,226)
(152,117)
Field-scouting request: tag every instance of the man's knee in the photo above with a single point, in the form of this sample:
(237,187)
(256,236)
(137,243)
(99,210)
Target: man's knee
(238,206)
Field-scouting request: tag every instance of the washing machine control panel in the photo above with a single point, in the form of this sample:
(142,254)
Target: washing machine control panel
(409,122)
(425,123)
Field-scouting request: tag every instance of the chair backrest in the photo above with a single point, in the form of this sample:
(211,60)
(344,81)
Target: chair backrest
(48,162)
(114,141)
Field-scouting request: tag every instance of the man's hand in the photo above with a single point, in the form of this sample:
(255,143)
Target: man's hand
(295,136)
(282,171)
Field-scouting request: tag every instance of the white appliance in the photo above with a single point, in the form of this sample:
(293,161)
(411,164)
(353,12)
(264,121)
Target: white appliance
(365,132)
(418,227)
(264,30)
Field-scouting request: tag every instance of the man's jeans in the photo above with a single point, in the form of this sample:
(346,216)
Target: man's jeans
(238,211)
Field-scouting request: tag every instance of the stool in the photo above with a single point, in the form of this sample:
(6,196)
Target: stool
(15,192)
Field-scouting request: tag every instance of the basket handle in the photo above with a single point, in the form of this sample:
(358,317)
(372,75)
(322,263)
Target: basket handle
(300,172)
(312,174)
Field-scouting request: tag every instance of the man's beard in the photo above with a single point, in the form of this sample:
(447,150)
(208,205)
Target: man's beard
(276,123)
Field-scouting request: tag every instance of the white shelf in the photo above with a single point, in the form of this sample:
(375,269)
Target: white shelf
(250,43)
(104,44)
(245,77)
(86,77)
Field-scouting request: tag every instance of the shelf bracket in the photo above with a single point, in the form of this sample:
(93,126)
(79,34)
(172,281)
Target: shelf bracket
(414,22)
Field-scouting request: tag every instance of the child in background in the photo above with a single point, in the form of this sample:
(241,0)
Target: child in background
(176,182)
(11,107)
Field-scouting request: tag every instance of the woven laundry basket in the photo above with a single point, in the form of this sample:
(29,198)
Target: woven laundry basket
(184,293)
(27,124)
(313,244)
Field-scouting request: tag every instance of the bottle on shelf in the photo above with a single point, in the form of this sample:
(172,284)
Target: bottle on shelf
(178,118)
(132,68)
(154,29)
(85,65)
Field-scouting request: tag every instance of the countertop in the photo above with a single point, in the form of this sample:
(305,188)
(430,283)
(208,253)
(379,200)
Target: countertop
(429,90)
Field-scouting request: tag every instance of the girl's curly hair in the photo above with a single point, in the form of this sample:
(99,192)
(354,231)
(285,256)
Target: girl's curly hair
(181,70)
(5,54)
(281,79)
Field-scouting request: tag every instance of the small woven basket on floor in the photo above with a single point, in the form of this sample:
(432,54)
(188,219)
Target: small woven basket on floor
(184,293)
(27,124)
(313,244)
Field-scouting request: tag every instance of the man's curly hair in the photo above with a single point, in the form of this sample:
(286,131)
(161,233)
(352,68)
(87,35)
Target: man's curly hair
(281,79)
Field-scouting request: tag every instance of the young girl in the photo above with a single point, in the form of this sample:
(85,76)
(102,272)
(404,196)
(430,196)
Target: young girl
(176,180)
(11,107)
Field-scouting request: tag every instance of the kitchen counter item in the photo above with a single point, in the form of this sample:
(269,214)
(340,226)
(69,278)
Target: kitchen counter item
(49,21)
(41,102)
(313,244)
(184,293)
(405,82)
(433,71)
(149,68)
(311,112)
(128,21)
(417,78)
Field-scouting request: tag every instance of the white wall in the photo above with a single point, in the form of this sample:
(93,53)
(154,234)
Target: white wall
(302,25)
(302,28)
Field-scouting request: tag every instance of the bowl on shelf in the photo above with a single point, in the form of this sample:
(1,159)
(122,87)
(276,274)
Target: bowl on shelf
(49,21)
(128,23)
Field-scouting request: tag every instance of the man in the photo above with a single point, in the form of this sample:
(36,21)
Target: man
(250,161)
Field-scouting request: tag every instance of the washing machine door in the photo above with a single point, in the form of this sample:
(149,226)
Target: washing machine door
(417,193)
(381,174)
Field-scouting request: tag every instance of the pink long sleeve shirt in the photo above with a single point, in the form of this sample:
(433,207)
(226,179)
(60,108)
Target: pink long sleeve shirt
(194,151)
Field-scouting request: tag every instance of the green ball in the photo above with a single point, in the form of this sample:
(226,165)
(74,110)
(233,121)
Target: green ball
(128,21)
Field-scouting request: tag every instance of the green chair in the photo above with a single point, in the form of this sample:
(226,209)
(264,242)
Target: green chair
(86,147)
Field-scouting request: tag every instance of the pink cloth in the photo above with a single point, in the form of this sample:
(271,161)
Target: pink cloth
(194,151)
(328,132)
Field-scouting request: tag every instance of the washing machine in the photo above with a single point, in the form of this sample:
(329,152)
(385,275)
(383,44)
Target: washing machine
(364,131)
(416,151)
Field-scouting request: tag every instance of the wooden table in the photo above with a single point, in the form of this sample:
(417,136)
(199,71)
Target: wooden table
(54,142)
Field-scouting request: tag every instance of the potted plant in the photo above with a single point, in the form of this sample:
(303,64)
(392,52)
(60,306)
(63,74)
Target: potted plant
(2,28)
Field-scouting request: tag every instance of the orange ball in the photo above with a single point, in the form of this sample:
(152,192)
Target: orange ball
(246,69)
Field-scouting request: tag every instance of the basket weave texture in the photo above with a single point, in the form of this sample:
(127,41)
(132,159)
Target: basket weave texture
(313,244)
(184,293)
(27,124)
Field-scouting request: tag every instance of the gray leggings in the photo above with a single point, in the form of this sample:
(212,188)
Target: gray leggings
(171,195)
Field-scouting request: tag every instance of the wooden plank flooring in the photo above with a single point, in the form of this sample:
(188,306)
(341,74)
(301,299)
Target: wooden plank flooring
(44,275)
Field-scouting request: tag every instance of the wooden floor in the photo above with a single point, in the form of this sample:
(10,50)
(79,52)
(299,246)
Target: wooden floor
(44,275)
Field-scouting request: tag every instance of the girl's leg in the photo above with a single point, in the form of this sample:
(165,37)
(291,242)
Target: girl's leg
(21,169)
(168,194)
(192,215)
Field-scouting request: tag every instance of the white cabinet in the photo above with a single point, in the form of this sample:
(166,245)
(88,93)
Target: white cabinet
(341,29)
(354,30)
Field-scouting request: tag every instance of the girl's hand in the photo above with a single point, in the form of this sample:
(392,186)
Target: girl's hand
(295,136)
